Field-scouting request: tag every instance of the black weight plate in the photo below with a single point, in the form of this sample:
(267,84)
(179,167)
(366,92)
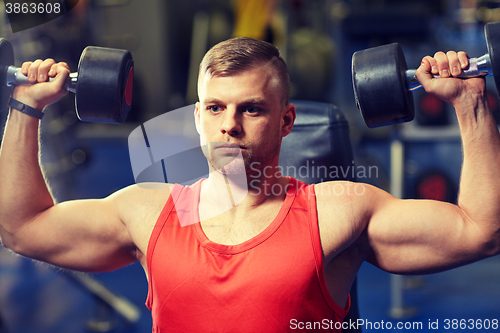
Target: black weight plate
(6,60)
(380,87)
(104,87)
(492,33)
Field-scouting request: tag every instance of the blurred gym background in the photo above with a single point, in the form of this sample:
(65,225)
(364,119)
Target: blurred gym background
(317,38)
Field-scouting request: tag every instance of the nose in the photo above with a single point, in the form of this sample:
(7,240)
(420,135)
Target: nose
(231,123)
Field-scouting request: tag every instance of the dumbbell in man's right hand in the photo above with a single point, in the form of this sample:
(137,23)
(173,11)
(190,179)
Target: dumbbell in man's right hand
(42,92)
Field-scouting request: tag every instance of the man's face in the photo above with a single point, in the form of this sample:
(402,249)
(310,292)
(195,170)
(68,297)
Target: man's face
(240,121)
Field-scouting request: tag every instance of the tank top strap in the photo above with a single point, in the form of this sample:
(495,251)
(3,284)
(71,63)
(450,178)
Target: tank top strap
(318,253)
(160,223)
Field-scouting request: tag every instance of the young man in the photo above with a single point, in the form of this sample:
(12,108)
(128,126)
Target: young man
(227,254)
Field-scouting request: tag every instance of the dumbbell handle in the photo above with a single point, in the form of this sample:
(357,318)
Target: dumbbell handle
(477,67)
(15,77)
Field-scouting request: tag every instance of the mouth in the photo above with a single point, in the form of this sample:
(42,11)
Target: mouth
(228,148)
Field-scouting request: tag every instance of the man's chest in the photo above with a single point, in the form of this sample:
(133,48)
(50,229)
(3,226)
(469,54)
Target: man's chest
(232,227)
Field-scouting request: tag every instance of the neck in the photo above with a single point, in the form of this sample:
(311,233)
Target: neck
(243,190)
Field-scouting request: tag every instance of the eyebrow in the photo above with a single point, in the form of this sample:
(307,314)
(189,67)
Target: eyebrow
(255,101)
(251,101)
(212,101)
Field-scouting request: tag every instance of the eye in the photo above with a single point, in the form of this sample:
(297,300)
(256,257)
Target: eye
(252,109)
(214,108)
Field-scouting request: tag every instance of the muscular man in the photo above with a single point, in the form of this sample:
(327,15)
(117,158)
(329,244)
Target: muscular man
(227,255)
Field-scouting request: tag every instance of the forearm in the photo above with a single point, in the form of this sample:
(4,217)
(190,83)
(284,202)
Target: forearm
(479,195)
(24,192)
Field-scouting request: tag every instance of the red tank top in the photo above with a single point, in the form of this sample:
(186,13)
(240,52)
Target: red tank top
(273,282)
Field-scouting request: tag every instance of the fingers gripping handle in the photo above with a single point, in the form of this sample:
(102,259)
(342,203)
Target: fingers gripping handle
(15,77)
(477,67)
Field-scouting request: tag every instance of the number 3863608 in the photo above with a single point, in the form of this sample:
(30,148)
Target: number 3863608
(32,8)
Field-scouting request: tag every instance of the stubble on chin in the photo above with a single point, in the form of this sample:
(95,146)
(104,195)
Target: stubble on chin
(226,164)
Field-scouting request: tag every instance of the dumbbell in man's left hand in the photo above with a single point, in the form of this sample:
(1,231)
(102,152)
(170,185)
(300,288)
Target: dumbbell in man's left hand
(449,65)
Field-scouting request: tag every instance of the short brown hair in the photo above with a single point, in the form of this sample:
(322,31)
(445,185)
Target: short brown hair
(237,55)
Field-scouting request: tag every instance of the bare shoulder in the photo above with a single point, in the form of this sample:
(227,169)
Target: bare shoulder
(344,209)
(140,196)
(139,206)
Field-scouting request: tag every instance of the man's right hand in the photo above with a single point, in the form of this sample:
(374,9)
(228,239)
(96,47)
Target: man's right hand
(42,93)
(93,235)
